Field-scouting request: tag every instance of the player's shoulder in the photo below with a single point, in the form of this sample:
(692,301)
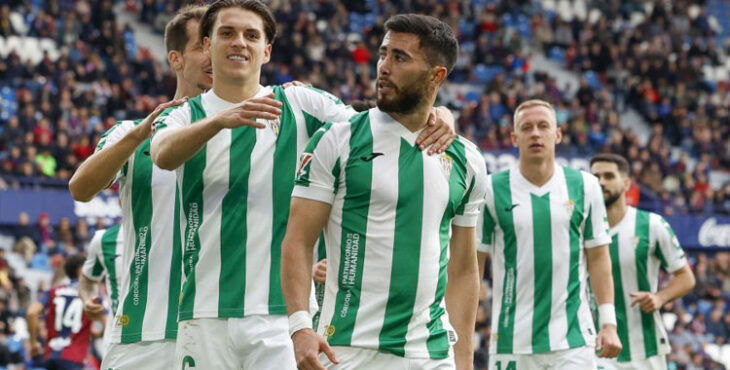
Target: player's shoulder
(462,147)
(119,126)
(656,220)
(462,143)
(303,95)
(96,238)
(589,179)
(114,228)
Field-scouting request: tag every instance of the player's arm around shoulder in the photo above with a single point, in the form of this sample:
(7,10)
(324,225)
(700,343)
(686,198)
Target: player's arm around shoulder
(99,170)
(176,140)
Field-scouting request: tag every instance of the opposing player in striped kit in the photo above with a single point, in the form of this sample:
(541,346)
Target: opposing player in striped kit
(641,243)
(235,150)
(145,327)
(103,259)
(546,228)
(397,223)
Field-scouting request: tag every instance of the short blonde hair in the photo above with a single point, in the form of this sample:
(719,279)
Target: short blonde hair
(530,104)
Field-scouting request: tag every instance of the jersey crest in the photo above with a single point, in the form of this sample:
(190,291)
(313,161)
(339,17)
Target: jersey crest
(446,164)
(275,126)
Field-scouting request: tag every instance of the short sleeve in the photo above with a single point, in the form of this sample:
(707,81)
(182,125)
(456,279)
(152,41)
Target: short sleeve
(318,171)
(318,107)
(93,268)
(114,134)
(170,119)
(668,249)
(485,230)
(468,213)
(595,230)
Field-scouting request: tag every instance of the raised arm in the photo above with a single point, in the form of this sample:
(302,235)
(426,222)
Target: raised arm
(98,171)
(173,146)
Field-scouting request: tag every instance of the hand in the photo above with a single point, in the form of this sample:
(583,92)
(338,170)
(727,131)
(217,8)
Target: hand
(289,84)
(319,271)
(648,302)
(607,342)
(144,129)
(307,346)
(36,349)
(246,112)
(439,131)
(94,309)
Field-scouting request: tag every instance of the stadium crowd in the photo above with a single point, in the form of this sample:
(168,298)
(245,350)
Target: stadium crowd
(59,109)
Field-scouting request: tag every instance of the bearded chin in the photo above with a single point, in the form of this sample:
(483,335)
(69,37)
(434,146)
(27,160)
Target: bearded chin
(612,198)
(407,100)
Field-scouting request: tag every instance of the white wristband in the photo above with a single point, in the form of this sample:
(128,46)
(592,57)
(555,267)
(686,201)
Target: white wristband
(299,320)
(606,314)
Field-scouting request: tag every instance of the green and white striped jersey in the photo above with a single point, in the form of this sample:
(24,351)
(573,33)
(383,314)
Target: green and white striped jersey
(640,243)
(103,259)
(387,237)
(235,199)
(537,237)
(152,249)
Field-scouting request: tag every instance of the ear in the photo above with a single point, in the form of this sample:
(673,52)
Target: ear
(558,134)
(206,45)
(438,74)
(175,59)
(627,182)
(267,53)
(513,136)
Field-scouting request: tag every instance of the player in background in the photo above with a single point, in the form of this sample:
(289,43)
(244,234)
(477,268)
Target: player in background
(393,215)
(103,260)
(68,327)
(545,226)
(235,168)
(145,324)
(641,243)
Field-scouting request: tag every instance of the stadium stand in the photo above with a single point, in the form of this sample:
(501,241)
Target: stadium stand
(668,61)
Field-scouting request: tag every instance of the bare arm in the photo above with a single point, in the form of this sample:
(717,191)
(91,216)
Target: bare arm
(98,171)
(599,268)
(172,149)
(462,292)
(683,280)
(90,298)
(482,261)
(306,219)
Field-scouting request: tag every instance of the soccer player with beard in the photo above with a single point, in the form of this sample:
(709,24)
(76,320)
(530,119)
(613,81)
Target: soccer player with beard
(397,223)
(641,243)
(545,226)
(235,150)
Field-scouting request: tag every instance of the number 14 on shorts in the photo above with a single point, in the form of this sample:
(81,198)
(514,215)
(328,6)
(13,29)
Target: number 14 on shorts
(509,366)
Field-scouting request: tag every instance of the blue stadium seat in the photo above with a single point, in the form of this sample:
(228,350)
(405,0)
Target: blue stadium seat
(557,54)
